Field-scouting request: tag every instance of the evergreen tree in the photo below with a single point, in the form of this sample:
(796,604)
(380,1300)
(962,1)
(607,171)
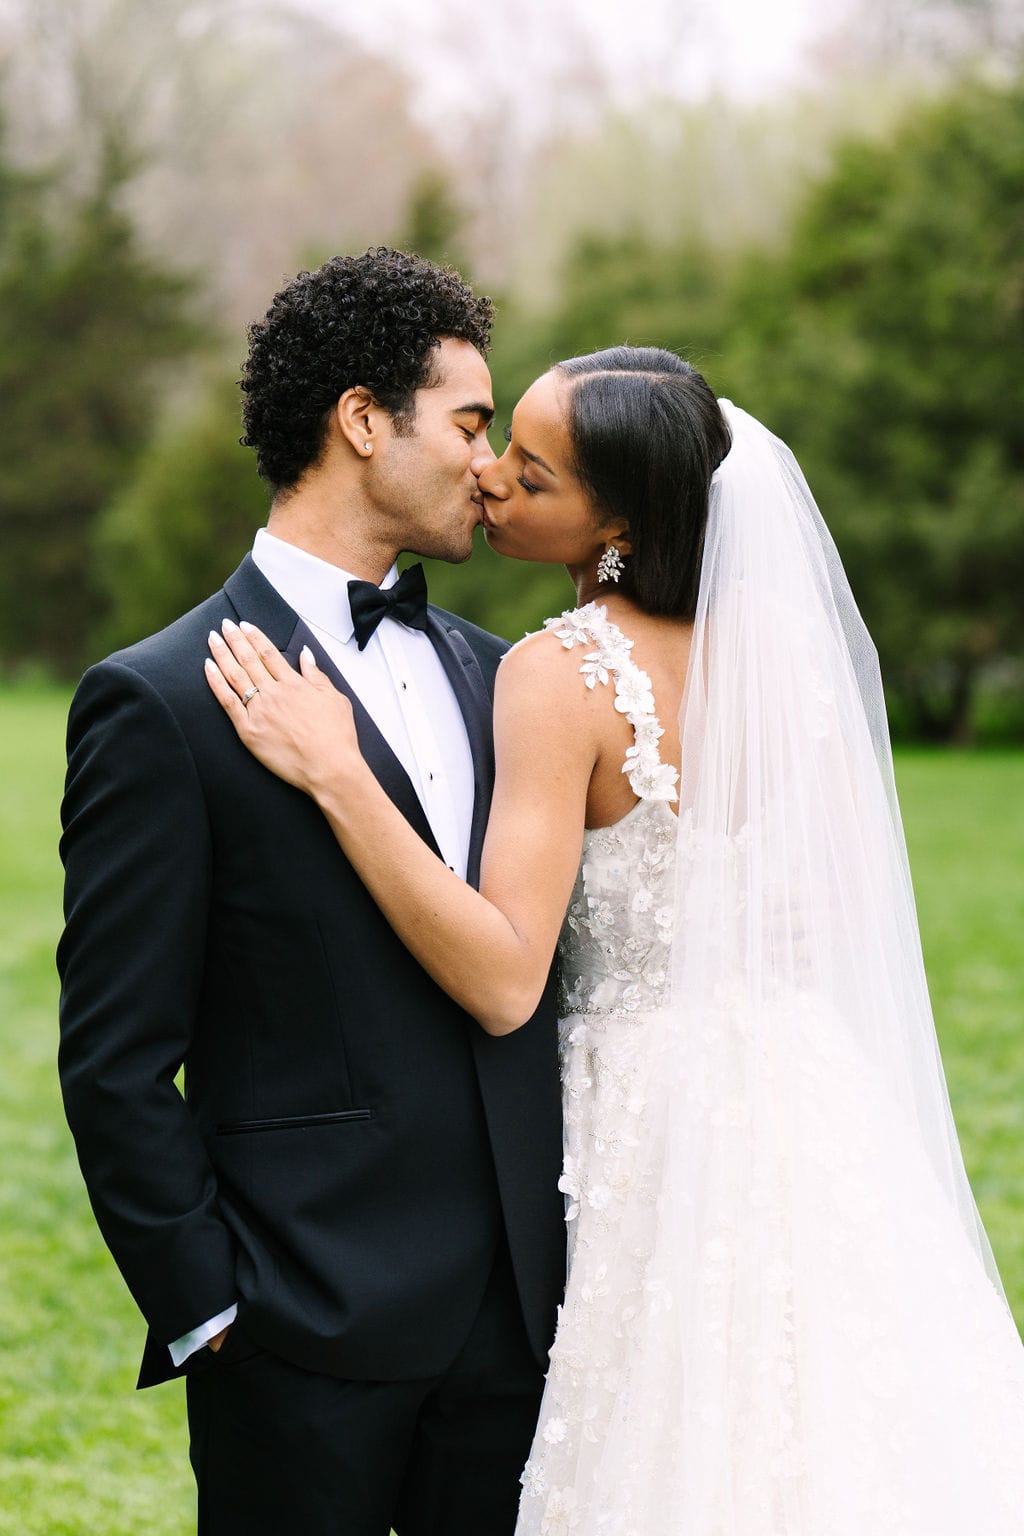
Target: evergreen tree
(886,349)
(183,523)
(86,322)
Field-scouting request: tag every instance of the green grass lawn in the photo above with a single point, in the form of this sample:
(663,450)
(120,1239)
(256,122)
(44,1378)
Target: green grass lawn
(81,1453)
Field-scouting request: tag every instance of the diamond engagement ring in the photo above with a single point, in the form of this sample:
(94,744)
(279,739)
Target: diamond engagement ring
(250,693)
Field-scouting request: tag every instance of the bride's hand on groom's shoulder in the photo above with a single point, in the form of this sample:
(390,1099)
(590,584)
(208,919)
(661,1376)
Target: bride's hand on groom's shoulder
(296,723)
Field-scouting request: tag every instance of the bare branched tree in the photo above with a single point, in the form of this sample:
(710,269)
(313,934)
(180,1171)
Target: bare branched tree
(932,36)
(247,122)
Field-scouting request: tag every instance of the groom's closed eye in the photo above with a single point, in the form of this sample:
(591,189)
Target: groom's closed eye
(474,418)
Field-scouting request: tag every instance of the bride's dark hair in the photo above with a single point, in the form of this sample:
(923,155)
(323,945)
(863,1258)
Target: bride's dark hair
(647,434)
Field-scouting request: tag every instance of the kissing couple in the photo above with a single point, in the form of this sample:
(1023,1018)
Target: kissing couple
(465,949)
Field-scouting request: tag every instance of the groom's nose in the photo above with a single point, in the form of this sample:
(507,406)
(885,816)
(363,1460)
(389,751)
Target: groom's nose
(482,459)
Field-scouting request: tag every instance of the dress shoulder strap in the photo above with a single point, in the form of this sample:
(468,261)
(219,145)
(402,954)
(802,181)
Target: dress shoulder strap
(610,661)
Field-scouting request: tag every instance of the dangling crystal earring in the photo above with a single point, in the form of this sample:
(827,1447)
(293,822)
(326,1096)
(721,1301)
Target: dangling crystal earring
(611,565)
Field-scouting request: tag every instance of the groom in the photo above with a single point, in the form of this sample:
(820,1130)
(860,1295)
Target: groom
(347,1232)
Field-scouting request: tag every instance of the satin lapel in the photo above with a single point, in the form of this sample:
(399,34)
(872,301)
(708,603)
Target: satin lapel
(470,690)
(387,769)
(253,598)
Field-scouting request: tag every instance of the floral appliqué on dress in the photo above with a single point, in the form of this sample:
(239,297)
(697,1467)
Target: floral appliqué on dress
(614,953)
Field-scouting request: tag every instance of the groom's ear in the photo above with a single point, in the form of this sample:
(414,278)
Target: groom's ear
(359,420)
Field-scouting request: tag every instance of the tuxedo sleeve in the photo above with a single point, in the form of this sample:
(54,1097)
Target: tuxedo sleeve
(136,848)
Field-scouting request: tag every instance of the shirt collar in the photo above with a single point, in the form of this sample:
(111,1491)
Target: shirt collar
(317,590)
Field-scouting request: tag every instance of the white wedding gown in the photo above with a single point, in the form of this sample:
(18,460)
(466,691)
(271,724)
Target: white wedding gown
(790,1335)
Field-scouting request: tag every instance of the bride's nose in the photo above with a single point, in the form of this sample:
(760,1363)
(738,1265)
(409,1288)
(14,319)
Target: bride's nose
(491,478)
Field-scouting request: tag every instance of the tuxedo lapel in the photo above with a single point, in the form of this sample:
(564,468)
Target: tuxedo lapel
(387,769)
(464,674)
(253,598)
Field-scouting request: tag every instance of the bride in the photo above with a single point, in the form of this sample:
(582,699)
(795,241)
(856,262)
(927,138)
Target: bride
(782,1316)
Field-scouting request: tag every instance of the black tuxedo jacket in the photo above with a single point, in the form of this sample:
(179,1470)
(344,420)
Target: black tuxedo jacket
(349,1143)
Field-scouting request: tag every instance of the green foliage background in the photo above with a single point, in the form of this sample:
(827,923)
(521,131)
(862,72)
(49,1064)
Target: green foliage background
(85,317)
(880,333)
(894,321)
(181,524)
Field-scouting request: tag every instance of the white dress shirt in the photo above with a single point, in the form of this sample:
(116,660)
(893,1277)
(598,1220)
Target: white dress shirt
(399,678)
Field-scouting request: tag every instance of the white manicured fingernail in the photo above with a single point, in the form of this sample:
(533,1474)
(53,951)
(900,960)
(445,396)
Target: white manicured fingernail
(229,624)
(307,655)
(209,665)
(214,638)
(246,626)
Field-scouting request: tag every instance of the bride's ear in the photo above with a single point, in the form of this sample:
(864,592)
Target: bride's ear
(620,538)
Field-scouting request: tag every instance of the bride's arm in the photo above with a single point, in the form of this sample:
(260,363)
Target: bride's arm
(490,949)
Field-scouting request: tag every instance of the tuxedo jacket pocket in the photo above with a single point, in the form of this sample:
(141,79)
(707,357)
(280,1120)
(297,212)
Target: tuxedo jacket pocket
(238,1345)
(291,1122)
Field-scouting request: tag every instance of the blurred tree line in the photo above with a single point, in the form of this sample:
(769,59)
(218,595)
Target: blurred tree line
(878,330)
(85,321)
(882,339)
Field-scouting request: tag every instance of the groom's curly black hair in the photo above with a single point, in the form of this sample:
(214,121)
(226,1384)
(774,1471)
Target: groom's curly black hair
(373,320)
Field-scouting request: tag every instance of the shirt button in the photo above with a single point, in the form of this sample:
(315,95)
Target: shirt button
(404,687)
(430,776)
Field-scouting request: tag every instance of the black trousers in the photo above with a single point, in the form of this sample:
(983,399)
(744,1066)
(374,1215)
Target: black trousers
(278,1451)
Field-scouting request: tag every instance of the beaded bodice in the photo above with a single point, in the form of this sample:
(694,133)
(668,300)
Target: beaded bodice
(614,946)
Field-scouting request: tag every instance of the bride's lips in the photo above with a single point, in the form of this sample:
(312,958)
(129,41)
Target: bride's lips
(484,519)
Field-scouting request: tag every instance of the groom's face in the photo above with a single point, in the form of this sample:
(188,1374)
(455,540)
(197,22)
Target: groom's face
(425,480)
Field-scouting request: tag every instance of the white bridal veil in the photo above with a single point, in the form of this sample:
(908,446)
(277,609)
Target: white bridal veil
(842,1347)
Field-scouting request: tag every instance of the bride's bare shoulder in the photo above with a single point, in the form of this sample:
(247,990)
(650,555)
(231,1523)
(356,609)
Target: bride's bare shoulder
(542,671)
(545,718)
(537,655)
(563,636)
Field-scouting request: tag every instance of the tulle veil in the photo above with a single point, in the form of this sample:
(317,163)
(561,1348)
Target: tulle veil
(840,1356)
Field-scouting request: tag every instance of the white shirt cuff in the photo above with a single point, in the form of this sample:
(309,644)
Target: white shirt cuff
(190,1342)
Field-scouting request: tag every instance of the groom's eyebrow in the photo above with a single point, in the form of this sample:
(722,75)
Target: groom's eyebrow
(481,408)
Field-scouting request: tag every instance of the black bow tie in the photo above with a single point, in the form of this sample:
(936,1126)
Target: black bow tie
(406,601)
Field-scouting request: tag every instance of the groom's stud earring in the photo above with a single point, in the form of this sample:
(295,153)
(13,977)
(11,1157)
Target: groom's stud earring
(366,447)
(611,565)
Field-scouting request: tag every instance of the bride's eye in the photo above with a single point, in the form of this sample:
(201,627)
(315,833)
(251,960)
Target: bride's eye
(527,485)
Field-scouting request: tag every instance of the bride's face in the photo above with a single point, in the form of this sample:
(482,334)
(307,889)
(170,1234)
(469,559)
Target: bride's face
(534,506)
